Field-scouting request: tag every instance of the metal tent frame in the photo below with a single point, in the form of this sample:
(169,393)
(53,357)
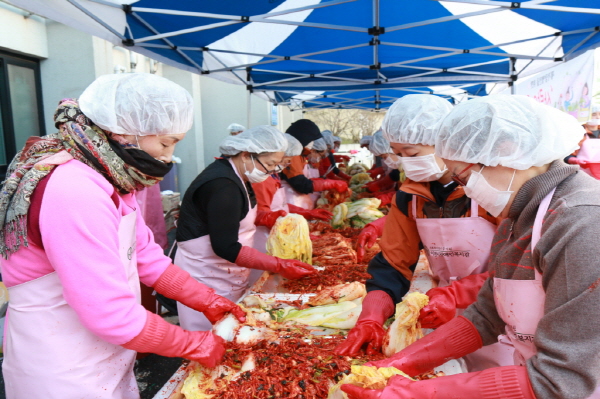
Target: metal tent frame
(269,74)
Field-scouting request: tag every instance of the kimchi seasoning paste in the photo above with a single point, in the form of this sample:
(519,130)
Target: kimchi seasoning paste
(293,367)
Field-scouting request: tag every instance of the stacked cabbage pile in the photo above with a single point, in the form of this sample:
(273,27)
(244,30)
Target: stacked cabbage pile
(356,214)
(356,168)
(358,182)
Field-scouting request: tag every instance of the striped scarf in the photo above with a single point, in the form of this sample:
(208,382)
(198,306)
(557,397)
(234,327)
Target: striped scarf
(78,138)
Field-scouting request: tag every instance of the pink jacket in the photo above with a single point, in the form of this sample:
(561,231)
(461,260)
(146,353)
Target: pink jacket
(78,224)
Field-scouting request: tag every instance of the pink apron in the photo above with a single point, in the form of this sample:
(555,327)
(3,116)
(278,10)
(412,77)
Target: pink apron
(520,303)
(457,248)
(278,203)
(228,280)
(50,354)
(306,201)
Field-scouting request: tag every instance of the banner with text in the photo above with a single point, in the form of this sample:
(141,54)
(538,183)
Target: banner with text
(567,86)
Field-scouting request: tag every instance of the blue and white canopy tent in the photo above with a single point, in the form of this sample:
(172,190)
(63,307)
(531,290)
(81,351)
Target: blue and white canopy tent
(362,52)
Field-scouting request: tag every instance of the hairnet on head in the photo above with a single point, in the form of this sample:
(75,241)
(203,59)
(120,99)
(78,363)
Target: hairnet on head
(595,108)
(305,131)
(328,137)
(379,145)
(365,140)
(294,147)
(319,145)
(414,119)
(139,104)
(235,127)
(259,139)
(336,139)
(513,131)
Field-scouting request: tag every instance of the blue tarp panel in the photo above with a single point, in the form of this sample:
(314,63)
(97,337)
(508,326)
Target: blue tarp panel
(343,45)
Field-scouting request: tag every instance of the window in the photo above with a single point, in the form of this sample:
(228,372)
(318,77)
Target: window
(21,110)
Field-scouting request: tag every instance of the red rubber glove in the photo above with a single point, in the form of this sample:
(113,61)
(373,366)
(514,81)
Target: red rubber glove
(328,184)
(177,284)
(386,198)
(383,184)
(344,176)
(289,268)
(374,172)
(368,237)
(377,307)
(268,219)
(169,340)
(311,214)
(453,340)
(576,161)
(508,382)
(444,301)
(341,158)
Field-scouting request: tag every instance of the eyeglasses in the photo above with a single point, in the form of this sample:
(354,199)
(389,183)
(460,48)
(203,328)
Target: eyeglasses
(276,170)
(456,177)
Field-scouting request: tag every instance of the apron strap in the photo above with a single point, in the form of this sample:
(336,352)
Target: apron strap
(414,207)
(243,184)
(537,225)
(474,209)
(328,171)
(539,218)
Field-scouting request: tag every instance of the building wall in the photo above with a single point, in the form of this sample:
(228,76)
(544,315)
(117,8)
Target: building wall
(223,104)
(21,32)
(191,149)
(68,69)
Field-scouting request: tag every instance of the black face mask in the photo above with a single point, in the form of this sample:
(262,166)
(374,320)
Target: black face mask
(141,160)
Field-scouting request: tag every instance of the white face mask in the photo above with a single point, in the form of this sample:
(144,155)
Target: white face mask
(593,122)
(256,176)
(392,163)
(313,158)
(490,198)
(423,168)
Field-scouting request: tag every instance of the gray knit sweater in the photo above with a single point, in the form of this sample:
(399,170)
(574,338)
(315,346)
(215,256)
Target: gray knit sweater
(567,363)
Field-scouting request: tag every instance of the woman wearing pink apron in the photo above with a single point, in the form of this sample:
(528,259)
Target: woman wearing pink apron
(431,212)
(271,202)
(215,234)
(76,247)
(300,181)
(507,151)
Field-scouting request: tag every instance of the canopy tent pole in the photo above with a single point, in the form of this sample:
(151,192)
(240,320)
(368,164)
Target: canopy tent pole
(511,72)
(249,108)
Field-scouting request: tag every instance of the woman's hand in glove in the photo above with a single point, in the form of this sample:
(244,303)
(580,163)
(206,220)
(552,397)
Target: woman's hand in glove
(311,214)
(177,284)
(288,268)
(294,269)
(327,184)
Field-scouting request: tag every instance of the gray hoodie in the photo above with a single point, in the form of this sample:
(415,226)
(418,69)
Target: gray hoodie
(567,363)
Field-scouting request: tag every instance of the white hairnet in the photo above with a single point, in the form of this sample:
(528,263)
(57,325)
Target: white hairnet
(294,147)
(513,131)
(379,145)
(139,104)
(414,119)
(595,108)
(336,139)
(365,140)
(319,145)
(235,127)
(259,139)
(328,137)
